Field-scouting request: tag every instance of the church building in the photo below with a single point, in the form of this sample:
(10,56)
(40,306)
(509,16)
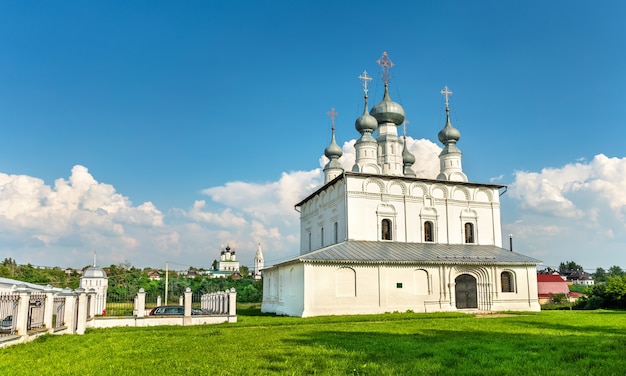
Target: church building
(380,239)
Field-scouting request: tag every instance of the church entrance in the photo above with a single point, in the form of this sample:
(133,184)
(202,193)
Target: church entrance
(466,292)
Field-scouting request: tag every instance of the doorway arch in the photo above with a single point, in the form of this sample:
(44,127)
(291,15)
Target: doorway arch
(466,293)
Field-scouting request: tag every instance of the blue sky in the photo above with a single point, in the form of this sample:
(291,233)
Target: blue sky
(157,131)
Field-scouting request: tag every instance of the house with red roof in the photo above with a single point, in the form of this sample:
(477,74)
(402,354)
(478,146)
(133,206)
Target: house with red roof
(549,285)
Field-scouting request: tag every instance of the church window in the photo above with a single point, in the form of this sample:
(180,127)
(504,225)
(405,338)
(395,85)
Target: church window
(469,232)
(336,232)
(428,231)
(399,285)
(506,279)
(322,236)
(386,229)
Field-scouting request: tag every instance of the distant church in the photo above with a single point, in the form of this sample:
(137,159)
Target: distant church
(227,266)
(379,239)
(95,278)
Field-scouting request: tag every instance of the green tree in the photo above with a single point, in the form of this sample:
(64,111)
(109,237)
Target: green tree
(615,271)
(599,275)
(244,271)
(569,265)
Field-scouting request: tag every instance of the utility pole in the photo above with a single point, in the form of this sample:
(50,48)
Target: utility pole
(167,275)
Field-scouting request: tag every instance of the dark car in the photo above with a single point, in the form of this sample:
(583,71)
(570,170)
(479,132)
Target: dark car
(6,325)
(175,311)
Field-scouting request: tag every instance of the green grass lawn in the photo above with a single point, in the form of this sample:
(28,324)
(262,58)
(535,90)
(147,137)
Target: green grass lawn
(546,343)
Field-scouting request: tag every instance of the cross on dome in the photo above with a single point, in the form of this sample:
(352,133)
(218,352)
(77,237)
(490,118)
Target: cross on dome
(446,93)
(332,114)
(365,79)
(385,64)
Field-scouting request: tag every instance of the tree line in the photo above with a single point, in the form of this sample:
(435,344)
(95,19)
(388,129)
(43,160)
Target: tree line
(124,281)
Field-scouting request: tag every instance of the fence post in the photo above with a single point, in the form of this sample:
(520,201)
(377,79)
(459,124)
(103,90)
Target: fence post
(232,305)
(141,303)
(81,323)
(158,301)
(187,315)
(70,310)
(21,321)
(93,303)
(187,302)
(48,308)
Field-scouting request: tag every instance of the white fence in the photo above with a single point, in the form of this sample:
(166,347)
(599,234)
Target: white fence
(27,314)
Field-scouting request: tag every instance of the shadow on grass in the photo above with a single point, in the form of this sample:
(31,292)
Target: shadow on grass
(470,351)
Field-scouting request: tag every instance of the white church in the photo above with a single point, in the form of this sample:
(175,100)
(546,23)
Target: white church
(379,239)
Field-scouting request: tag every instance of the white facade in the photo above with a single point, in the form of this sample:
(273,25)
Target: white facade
(378,239)
(349,288)
(353,208)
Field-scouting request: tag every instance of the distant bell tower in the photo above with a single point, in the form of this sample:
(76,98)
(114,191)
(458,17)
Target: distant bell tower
(259,264)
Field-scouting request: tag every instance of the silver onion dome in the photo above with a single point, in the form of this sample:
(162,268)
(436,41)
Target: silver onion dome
(388,111)
(449,134)
(366,122)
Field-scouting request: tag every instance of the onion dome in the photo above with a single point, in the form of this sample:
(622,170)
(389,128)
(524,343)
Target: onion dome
(333,152)
(388,111)
(449,134)
(407,160)
(407,157)
(366,122)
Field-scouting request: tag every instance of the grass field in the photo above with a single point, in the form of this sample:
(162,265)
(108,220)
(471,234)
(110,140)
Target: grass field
(546,343)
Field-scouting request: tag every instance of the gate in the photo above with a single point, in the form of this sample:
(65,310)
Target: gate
(466,293)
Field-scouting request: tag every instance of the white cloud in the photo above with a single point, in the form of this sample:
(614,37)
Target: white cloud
(78,214)
(573,212)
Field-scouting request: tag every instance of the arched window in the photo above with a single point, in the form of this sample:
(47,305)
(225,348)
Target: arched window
(386,229)
(469,232)
(506,280)
(322,234)
(428,231)
(336,232)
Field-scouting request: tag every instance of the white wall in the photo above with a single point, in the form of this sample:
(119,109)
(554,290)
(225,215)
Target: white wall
(339,290)
(408,204)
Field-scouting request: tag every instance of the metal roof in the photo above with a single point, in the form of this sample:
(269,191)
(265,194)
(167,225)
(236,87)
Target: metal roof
(389,252)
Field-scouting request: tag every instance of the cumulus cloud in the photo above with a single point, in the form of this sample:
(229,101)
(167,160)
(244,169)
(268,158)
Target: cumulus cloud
(72,214)
(575,211)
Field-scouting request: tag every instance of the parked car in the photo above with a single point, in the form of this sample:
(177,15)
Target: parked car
(175,311)
(6,325)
